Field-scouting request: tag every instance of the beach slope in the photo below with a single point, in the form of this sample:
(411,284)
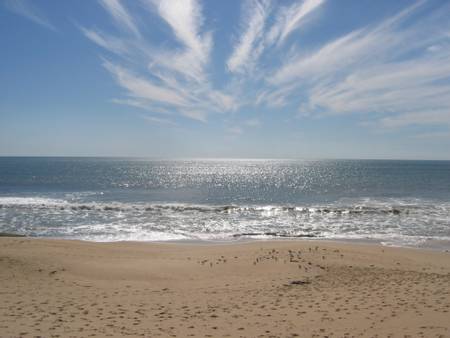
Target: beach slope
(58,288)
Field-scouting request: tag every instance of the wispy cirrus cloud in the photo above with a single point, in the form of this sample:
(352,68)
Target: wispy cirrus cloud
(387,71)
(291,18)
(258,35)
(120,15)
(185,19)
(172,81)
(142,89)
(355,49)
(114,45)
(248,47)
(394,73)
(28,10)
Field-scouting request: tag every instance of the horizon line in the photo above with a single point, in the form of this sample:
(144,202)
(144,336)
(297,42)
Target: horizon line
(175,158)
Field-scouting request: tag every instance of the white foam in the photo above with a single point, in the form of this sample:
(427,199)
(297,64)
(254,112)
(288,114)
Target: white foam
(31,201)
(374,219)
(147,236)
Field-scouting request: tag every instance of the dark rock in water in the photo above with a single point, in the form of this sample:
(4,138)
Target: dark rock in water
(300,282)
(395,211)
(6,234)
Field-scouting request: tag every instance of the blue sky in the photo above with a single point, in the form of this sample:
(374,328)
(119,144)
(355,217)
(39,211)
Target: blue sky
(279,79)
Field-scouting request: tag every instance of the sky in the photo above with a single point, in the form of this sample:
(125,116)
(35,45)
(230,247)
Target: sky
(234,79)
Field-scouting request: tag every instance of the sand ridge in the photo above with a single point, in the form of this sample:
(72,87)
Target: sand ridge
(57,288)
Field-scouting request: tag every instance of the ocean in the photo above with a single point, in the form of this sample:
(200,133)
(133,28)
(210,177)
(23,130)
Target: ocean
(402,203)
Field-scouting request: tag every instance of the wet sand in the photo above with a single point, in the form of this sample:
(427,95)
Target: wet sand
(57,288)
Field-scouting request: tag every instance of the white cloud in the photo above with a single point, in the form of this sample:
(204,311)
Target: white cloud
(386,71)
(143,89)
(26,9)
(245,53)
(291,18)
(356,49)
(223,101)
(185,19)
(170,81)
(195,114)
(176,80)
(110,43)
(255,38)
(395,72)
(144,105)
(275,98)
(120,15)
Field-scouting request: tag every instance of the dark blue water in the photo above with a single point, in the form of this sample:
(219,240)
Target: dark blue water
(400,202)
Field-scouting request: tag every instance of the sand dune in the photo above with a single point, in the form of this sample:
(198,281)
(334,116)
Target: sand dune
(56,288)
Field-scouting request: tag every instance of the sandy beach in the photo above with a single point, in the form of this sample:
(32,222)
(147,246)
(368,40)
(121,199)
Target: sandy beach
(58,288)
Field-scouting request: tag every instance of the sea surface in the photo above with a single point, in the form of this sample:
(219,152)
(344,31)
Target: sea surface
(404,203)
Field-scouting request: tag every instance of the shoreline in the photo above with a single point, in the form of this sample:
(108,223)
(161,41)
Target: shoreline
(278,288)
(442,245)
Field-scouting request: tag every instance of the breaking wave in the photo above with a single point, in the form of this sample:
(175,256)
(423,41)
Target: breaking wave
(56,204)
(391,221)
